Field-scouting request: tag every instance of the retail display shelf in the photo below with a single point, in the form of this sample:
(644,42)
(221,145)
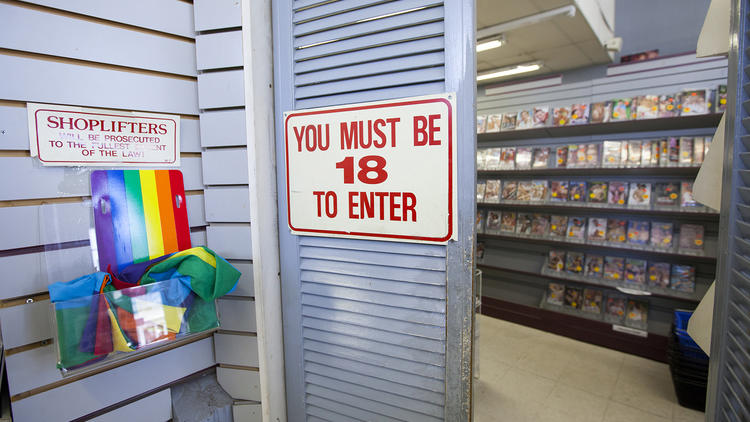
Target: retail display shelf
(593,172)
(653,346)
(669,123)
(563,207)
(582,281)
(604,247)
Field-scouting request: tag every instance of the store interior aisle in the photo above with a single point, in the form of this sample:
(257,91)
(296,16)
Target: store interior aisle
(531,375)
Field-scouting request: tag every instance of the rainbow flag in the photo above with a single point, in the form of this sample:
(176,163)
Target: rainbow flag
(138,215)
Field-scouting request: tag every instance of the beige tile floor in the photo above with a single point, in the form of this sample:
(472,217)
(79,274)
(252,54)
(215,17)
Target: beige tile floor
(531,375)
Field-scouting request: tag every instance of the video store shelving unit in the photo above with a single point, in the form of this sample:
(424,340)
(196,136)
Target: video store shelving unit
(515,271)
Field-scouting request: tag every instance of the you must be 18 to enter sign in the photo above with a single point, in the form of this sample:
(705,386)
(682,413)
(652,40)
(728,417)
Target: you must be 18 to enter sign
(383,170)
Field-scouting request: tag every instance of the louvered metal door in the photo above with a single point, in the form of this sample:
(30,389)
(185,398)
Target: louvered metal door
(729,376)
(376,330)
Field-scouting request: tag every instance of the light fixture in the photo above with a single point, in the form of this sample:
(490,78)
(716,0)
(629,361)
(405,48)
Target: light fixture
(490,44)
(506,27)
(507,71)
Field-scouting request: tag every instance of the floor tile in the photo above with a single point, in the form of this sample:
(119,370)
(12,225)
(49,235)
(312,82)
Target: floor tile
(575,402)
(683,414)
(617,412)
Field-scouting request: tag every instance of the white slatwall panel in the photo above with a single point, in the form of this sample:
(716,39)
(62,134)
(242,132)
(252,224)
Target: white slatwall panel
(153,68)
(237,314)
(246,286)
(229,204)
(247,412)
(223,128)
(241,384)
(236,349)
(219,50)
(217,14)
(225,166)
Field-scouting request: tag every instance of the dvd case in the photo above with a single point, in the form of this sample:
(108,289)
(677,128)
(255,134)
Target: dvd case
(613,268)
(640,195)
(658,274)
(615,309)
(592,301)
(558,226)
(576,228)
(666,194)
(508,222)
(480,191)
(668,106)
(600,112)
(577,191)
(618,193)
(492,159)
(721,99)
(508,122)
(686,151)
(597,229)
(695,102)
(636,314)
(494,122)
(556,260)
(561,157)
(646,153)
(663,153)
(482,159)
(524,121)
(616,230)
(540,117)
(579,114)
(507,159)
(655,152)
(698,151)
(492,191)
(524,190)
(541,158)
(594,265)
(635,271)
(647,107)
(524,223)
(479,221)
(558,190)
(572,297)
(539,224)
(634,153)
(574,262)
(691,237)
(523,158)
(683,278)
(574,159)
(493,222)
(555,294)
(538,190)
(686,195)
(611,153)
(510,189)
(661,235)
(674,152)
(621,109)
(481,124)
(561,116)
(597,192)
(592,156)
(638,232)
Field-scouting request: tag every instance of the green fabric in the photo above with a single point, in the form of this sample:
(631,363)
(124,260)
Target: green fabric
(202,316)
(70,325)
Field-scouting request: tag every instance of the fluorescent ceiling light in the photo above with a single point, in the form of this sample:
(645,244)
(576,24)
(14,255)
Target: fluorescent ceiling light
(489,45)
(507,71)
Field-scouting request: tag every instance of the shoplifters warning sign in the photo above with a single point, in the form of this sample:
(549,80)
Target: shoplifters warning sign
(77,136)
(382,170)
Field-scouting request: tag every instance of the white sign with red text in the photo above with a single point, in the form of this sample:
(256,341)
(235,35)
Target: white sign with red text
(383,170)
(77,136)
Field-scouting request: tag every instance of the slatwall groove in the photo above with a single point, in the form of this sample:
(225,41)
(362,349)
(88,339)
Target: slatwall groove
(307,10)
(373,297)
(375,271)
(434,332)
(394,404)
(316,413)
(374,246)
(421,61)
(370,333)
(374,95)
(370,346)
(380,285)
(379,384)
(377,310)
(382,259)
(368,83)
(350,411)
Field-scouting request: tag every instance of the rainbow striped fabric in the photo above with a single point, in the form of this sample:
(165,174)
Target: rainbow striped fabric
(138,215)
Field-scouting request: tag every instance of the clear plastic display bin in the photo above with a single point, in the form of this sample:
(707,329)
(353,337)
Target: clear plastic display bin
(98,329)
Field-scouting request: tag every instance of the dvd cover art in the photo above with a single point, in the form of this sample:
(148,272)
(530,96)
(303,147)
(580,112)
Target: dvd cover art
(686,195)
(574,262)
(493,221)
(634,153)
(539,225)
(558,224)
(640,194)
(579,114)
(573,297)
(479,221)
(592,301)
(481,159)
(613,268)
(556,260)
(525,189)
(691,237)
(558,190)
(658,274)
(638,232)
(510,189)
(561,116)
(618,193)
(592,155)
(555,293)
(541,158)
(721,99)
(646,153)
(523,223)
(594,265)
(492,191)
(683,278)
(615,308)
(600,112)
(674,151)
(523,158)
(655,153)
(494,122)
(479,253)
(706,145)
(698,148)
(668,106)
(666,194)
(574,159)
(597,192)
(507,158)
(647,107)
(621,109)
(637,313)
(611,153)
(694,102)
(492,159)
(481,124)
(508,122)
(523,121)
(597,230)
(576,228)
(635,271)
(480,191)
(538,190)
(561,157)
(616,230)
(663,153)
(577,191)
(508,222)
(661,235)
(686,151)
(540,117)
